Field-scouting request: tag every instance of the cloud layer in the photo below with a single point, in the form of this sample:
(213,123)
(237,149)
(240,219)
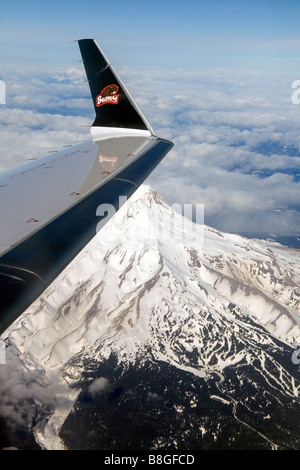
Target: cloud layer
(236,136)
(236,148)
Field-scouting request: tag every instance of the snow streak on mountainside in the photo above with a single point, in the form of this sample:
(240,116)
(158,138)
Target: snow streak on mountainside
(190,330)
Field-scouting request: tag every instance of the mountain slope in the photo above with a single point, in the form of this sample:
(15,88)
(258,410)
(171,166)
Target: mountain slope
(213,314)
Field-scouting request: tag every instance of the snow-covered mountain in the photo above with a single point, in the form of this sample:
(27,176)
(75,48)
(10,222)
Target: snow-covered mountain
(181,341)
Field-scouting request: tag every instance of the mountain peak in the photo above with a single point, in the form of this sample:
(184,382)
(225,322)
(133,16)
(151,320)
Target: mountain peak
(154,288)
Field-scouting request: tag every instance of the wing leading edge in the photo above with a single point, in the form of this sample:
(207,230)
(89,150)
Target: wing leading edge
(48,207)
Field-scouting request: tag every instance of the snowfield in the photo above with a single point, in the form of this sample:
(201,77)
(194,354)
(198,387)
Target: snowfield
(196,298)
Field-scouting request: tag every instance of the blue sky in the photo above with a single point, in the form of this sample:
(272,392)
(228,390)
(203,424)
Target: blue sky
(174,33)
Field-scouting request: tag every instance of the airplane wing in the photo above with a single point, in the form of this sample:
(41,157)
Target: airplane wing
(48,207)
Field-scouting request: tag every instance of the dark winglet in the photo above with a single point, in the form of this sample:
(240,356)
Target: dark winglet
(114,106)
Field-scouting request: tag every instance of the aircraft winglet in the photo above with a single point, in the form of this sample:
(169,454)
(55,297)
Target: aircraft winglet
(116,111)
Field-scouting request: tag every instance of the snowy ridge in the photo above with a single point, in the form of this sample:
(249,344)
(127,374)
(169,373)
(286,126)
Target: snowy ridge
(232,302)
(121,266)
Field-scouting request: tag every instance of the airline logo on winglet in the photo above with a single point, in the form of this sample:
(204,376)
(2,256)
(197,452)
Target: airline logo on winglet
(109,94)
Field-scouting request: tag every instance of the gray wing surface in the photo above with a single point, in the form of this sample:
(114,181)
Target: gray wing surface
(48,207)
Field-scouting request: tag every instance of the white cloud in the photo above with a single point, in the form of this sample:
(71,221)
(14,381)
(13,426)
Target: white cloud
(26,134)
(222,128)
(99,386)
